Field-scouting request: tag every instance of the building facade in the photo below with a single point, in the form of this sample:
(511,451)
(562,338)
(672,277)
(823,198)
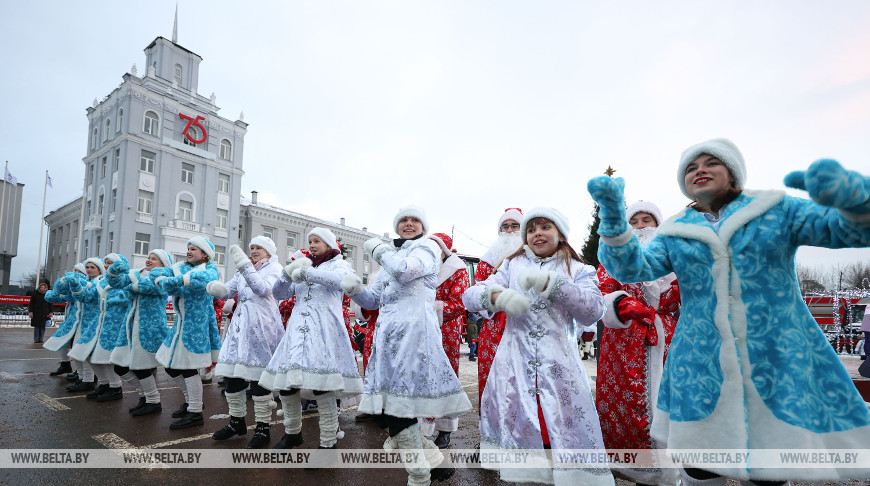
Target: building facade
(10,220)
(161,166)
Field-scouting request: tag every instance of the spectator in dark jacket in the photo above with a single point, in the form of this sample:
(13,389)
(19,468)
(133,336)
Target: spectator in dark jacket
(39,311)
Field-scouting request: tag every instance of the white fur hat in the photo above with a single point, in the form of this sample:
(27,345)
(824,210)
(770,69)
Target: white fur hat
(113,257)
(164,257)
(203,244)
(552,214)
(80,267)
(644,207)
(724,150)
(515,214)
(266,243)
(412,211)
(101,265)
(324,234)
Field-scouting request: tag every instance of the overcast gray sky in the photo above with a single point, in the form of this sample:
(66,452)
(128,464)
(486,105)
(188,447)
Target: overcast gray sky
(464,108)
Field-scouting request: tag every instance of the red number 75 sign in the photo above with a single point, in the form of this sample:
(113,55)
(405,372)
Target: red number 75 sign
(191,121)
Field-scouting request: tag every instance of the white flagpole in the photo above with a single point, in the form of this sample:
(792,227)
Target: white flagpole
(41,229)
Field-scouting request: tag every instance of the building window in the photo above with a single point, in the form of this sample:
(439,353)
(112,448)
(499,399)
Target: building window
(120,119)
(226,150)
(145,200)
(365,256)
(178,73)
(85,249)
(224,183)
(143,244)
(94,140)
(114,199)
(268,232)
(146,161)
(185,210)
(291,243)
(192,132)
(151,124)
(349,254)
(116,160)
(103,165)
(222,218)
(111,243)
(88,212)
(90,173)
(187,173)
(108,128)
(101,199)
(219,255)
(99,239)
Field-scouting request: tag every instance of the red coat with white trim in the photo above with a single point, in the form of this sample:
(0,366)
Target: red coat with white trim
(453,281)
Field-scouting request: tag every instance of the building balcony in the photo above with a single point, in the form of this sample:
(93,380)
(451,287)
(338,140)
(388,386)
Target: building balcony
(220,232)
(112,216)
(95,221)
(145,218)
(184,225)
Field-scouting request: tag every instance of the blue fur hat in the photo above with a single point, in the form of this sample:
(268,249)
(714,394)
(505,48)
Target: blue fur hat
(163,256)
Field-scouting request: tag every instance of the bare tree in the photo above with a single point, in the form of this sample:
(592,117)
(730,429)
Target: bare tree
(28,280)
(856,275)
(811,279)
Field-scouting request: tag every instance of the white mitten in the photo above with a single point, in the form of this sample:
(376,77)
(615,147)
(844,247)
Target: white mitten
(298,275)
(370,245)
(352,285)
(239,258)
(295,265)
(513,303)
(216,288)
(228,306)
(533,278)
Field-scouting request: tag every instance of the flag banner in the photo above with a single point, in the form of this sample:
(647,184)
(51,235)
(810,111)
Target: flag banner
(48,180)
(10,178)
(458,458)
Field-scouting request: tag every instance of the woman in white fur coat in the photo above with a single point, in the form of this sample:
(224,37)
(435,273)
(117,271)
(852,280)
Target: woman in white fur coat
(315,358)
(408,375)
(251,339)
(537,395)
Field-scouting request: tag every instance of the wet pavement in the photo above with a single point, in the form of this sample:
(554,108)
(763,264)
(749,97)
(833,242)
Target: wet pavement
(36,412)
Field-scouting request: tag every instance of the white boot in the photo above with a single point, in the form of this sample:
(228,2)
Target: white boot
(410,442)
(328,411)
(149,388)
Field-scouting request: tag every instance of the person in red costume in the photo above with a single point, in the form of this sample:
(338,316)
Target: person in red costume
(492,328)
(638,327)
(452,283)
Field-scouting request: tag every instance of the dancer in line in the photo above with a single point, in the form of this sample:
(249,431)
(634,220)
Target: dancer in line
(314,359)
(62,338)
(538,395)
(408,375)
(252,337)
(737,373)
(194,341)
(145,328)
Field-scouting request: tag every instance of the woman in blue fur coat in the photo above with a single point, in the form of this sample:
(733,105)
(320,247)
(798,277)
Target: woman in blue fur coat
(61,338)
(748,367)
(145,328)
(193,342)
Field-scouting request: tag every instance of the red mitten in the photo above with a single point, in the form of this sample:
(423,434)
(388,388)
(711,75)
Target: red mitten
(631,309)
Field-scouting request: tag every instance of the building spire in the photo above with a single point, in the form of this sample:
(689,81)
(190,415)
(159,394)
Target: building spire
(175,26)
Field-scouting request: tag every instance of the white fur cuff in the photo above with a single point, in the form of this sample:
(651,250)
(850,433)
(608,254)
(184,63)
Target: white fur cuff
(185,279)
(379,251)
(352,285)
(555,281)
(618,240)
(611,314)
(299,274)
(439,310)
(486,297)
(513,303)
(159,279)
(217,289)
(295,265)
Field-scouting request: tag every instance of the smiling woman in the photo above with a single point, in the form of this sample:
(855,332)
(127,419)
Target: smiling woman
(736,373)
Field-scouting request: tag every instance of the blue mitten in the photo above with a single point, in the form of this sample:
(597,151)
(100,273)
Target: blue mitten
(169,284)
(608,193)
(829,184)
(118,268)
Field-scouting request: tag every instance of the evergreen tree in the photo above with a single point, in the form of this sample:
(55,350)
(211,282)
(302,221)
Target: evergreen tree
(590,246)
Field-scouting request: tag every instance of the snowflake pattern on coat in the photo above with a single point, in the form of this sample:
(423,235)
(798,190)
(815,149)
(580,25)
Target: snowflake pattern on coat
(66,332)
(145,328)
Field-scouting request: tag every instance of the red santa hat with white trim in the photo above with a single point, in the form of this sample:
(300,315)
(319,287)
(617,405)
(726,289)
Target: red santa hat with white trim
(515,214)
